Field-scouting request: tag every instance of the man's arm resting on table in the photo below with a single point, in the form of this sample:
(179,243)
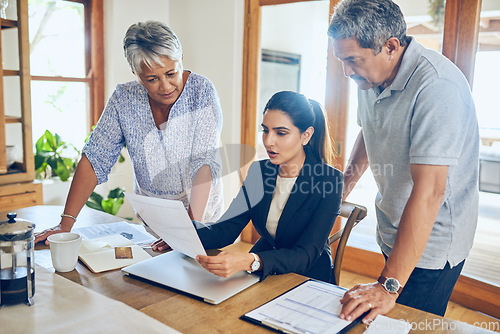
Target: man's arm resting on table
(414,230)
(356,166)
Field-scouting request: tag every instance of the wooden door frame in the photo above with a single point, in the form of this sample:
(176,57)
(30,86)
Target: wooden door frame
(251,59)
(461,33)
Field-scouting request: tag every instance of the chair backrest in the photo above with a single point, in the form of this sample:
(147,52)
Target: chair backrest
(354,214)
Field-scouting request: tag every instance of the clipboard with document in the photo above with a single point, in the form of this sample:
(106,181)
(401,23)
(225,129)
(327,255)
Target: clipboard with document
(310,307)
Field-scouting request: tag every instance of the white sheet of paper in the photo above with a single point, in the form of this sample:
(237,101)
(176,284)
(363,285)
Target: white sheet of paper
(312,307)
(386,325)
(170,220)
(134,232)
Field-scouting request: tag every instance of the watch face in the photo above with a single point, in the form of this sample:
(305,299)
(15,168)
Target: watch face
(255,265)
(392,285)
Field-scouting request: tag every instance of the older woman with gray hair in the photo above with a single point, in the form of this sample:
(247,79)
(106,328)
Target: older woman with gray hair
(170,120)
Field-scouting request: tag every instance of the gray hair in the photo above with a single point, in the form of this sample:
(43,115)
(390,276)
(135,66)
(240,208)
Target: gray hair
(371,22)
(147,42)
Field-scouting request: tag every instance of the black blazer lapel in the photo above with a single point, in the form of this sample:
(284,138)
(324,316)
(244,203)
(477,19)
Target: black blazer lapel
(269,175)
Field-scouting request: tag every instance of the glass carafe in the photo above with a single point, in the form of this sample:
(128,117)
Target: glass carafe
(17,271)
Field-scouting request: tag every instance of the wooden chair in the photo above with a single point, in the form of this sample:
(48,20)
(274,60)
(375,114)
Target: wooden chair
(354,214)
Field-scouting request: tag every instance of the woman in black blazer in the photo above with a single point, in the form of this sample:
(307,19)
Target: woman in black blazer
(293,198)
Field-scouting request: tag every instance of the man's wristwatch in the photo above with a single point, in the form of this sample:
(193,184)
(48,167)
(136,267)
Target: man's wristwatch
(391,284)
(255,264)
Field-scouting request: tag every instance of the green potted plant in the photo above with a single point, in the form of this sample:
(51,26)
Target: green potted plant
(111,204)
(54,157)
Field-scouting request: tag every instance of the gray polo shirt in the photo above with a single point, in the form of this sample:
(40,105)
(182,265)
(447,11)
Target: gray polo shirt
(426,116)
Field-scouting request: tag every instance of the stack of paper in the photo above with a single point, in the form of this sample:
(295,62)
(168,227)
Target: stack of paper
(170,220)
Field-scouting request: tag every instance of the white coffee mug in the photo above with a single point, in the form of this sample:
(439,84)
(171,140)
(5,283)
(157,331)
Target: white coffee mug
(64,249)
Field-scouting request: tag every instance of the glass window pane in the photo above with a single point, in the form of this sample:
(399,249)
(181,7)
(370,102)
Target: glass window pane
(60,107)
(12,96)
(425,21)
(487,71)
(480,264)
(14,147)
(57,38)
(294,42)
(10,49)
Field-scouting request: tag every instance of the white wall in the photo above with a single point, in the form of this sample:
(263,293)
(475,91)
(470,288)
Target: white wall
(300,28)
(211,33)
(118,16)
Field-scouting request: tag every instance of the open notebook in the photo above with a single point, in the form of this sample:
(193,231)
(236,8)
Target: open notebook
(99,254)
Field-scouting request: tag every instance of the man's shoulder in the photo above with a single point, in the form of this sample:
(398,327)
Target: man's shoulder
(433,66)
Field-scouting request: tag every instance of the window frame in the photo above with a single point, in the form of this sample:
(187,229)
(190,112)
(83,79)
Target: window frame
(94,58)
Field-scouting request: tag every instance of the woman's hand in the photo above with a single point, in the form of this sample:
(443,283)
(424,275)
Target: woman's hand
(41,236)
(226,264)
(160,245)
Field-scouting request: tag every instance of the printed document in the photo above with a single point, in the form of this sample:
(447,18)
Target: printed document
(170,220)
(312,307)
(133,232)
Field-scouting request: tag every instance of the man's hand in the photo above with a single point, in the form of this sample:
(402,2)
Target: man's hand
(41,236)
(226,264)
(366,297)
(160,245)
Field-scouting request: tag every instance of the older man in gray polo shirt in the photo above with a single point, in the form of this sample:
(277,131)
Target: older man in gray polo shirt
(420,138)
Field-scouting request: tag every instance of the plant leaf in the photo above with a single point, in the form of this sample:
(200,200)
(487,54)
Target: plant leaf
(58,141)
(51,141)
(94,206)
(68,162)
(42,168)
(39,143)
(39,160)
(112,205)
(96,198)
(116,193)
(62,170)
(52,162)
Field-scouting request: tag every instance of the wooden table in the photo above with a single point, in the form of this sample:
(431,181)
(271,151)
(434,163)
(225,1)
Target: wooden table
(180,311)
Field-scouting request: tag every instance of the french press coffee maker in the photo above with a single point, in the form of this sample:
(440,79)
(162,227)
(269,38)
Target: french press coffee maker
(17,271)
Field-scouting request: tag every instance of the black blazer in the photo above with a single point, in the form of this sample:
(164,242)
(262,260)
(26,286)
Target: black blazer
(300,245)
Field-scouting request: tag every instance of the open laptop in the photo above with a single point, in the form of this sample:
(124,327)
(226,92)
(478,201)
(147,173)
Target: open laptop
(180,272)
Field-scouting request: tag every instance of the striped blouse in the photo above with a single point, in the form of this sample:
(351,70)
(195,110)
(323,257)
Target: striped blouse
(164,161)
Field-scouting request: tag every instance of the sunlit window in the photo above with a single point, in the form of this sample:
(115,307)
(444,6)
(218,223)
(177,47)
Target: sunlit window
(60,88)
